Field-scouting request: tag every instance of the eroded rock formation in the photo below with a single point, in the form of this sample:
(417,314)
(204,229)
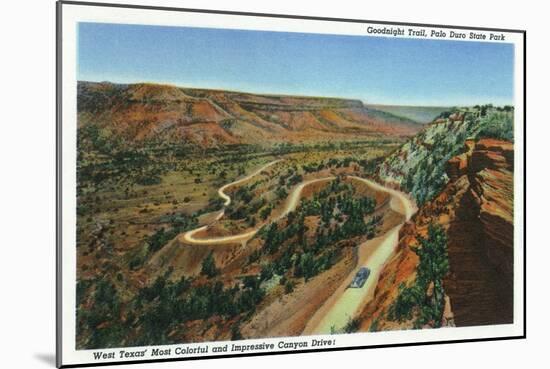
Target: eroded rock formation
(476,208)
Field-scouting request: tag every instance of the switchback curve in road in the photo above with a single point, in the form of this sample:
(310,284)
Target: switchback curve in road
(291,204)
(346,302)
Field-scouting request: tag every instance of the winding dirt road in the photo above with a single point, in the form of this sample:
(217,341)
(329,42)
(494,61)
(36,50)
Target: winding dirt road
(188,236)
(227,199)
(291,203)
(346,302)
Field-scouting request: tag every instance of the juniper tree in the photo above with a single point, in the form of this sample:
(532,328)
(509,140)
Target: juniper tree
(433,266)
(209,266)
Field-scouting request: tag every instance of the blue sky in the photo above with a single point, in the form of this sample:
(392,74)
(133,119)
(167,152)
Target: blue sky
(373,69)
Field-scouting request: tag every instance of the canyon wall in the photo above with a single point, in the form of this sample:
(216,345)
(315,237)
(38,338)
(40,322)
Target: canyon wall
(476,209)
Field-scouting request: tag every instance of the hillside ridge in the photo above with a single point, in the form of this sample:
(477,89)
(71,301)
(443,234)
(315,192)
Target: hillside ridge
(212,118)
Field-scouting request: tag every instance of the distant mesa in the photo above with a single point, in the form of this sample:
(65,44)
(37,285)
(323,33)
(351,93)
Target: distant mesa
(210,118)
(419,114)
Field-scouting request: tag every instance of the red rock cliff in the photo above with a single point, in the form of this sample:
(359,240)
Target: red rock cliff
(476,208)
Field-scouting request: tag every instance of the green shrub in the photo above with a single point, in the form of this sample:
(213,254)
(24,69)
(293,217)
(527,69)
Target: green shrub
(208,267)
(499,125)
(414,301)
(352,325)
(289,286)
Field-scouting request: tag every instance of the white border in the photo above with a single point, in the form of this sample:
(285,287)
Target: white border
(72,14)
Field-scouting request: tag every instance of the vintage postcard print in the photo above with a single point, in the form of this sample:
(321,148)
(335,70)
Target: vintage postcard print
(240,184)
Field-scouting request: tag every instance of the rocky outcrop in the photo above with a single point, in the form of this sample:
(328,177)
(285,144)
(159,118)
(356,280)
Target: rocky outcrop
(481,239)
(493,164)
(424,165)
(476,208)
(458,165)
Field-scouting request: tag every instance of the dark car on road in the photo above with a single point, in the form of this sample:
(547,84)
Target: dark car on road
(360,278)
